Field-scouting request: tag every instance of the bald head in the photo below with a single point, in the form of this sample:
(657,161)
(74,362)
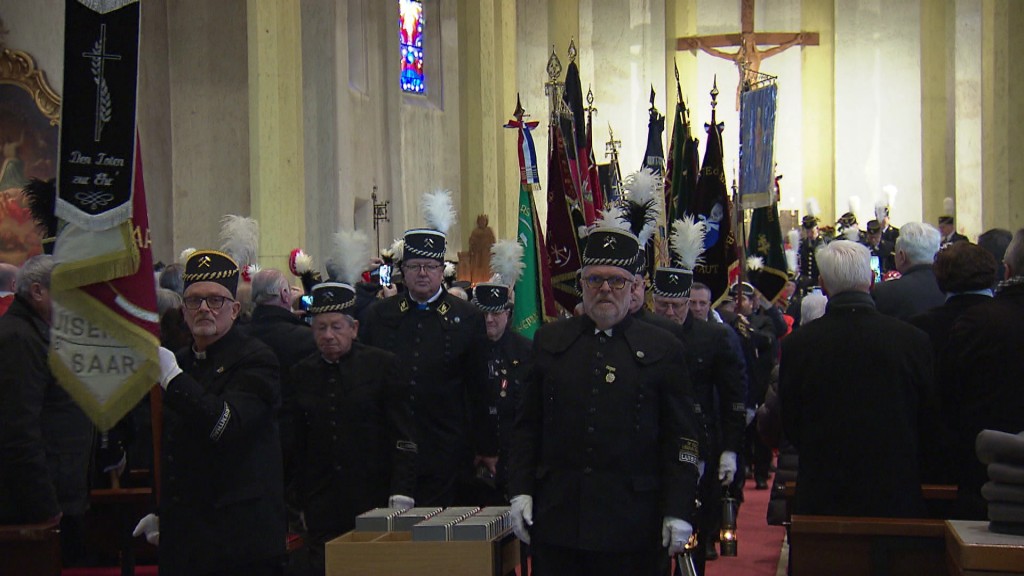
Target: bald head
(8,276)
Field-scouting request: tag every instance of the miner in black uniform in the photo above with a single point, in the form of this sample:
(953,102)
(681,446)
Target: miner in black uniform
(889,232)
(222,507)
(604,454)
(719,382)
(353,441)
(509,358)
(880,247)
(438,340)
(811,241)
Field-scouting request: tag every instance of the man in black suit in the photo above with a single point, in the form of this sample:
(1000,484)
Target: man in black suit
(861,440)
(983,362)
(353,445)
(222,506)
(916,290)
(947,228)
(604,454)
(880,248)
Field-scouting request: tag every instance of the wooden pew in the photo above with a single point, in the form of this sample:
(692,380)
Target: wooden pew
(30,549)
(844,545)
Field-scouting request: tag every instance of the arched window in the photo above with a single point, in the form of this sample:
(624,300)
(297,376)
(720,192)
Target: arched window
(411,28)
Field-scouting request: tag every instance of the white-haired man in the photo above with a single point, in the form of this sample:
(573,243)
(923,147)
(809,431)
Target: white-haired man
(861,439)
(916,290)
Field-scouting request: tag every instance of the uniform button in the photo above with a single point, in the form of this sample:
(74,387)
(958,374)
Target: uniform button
(599,355)
(415,354)
(590,449)
(170,458)
(597,371)
(412,382)
(593,391)
(592,410)
(590,429)
(412,397)
(335,437)
(419,325)
(337,468)
(415,368)
(588,470)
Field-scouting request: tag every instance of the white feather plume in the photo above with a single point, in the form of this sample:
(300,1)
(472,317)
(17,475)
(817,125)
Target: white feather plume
(794,238)
(755,263)
(611,217)
(240,239)
(450,270)
(812,207)
(646,187)
(185,254)
(350,254)
(687,241)
(507,261)
(438,210)
(948,206)
(854,204)
(852,234)
(890,192)
(303,262)
(398,249)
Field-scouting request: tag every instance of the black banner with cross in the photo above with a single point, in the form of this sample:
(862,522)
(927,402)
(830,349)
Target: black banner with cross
(97,134)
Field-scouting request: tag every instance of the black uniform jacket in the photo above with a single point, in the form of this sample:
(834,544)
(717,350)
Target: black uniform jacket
(718,376)
(440,359)
(45,438)
(606,438)
(861,435)
(223,503)
(509,361)
(353,444)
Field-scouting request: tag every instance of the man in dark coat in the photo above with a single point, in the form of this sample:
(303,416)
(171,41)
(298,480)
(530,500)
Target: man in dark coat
(437,338)
(604,455)
(916,290)
(509,358)
(222,503)
(274,323)
(983,362)
(880,248)
(353,444)
(809,244)
(861,440)
(947,229)
(45,438)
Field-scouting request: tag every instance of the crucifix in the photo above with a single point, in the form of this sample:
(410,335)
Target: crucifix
(747,57)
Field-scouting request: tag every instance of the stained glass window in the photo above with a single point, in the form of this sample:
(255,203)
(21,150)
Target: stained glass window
(410,22)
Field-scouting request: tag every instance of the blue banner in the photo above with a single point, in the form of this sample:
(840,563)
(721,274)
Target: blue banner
(757,146)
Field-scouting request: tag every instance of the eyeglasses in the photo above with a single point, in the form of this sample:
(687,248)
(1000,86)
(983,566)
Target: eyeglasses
(614,282)
(212,302)
(422,267)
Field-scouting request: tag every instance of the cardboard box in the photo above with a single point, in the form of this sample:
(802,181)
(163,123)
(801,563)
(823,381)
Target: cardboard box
(395,554)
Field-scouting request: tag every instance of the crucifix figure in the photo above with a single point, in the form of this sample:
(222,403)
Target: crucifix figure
(747,56)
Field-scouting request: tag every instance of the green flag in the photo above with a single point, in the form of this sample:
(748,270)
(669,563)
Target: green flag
(529,306)
(765,242)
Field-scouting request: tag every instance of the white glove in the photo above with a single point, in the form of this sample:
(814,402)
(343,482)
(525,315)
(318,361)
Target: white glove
(168,367)
(522,516)
(750,415)
(400,502)
(675,533)
(727,467)
(150,526)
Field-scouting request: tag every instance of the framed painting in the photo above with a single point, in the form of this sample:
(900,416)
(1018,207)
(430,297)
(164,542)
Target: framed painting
(29,117)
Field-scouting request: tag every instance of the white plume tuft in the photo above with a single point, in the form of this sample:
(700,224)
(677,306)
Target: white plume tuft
(852,234)
(880,208)
(185,254)
(794,238)
(890,195)
(687,241)
(438,210)
(644,189)
(948,206)
(854,203)
(611,217)
(350,256)
(755,263)
(812,207)
(240,239)
(450,271)
(398,249)
(643,186)
(507,261)
(303,263)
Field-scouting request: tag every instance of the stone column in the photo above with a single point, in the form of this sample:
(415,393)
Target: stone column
(967,118)
(937,129)
(276,170)
(819,107)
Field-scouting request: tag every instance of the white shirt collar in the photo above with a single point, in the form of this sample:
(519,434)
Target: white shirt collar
(432,298)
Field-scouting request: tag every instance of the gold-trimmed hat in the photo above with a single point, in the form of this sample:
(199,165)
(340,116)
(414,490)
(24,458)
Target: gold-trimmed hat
(211,266)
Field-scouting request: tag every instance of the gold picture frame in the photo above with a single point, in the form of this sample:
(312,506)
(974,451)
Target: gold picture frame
(29,119)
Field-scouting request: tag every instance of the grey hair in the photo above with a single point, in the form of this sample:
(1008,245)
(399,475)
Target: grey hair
(171,278)
(36,269)
(1014,257)
(167,299)
(919,241)
(845,266)
(267,285)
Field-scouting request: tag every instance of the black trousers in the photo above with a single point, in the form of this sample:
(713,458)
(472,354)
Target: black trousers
(558,561)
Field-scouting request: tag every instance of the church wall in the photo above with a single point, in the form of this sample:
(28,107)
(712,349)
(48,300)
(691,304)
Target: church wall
(37,28)
(155,127)
(533,47)
(967,107)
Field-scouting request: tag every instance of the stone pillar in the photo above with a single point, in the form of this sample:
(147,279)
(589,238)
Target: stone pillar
(489,179)
(937,130)
(819,107)
(967,117)
(276,170)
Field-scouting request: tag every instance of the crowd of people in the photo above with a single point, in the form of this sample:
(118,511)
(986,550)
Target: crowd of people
(613,437)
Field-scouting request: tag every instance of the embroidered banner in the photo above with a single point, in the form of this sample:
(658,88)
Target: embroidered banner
(757,146)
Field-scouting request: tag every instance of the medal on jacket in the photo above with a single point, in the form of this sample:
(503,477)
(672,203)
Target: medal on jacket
(609,376)
(504,388)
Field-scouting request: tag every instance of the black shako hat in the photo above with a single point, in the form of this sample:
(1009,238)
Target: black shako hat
(332,297)
(211,266)
(612,247)
(491,297)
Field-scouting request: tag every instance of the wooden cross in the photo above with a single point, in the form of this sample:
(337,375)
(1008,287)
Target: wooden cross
(747,57)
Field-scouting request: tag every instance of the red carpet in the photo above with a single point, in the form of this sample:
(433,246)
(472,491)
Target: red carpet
(759,543)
